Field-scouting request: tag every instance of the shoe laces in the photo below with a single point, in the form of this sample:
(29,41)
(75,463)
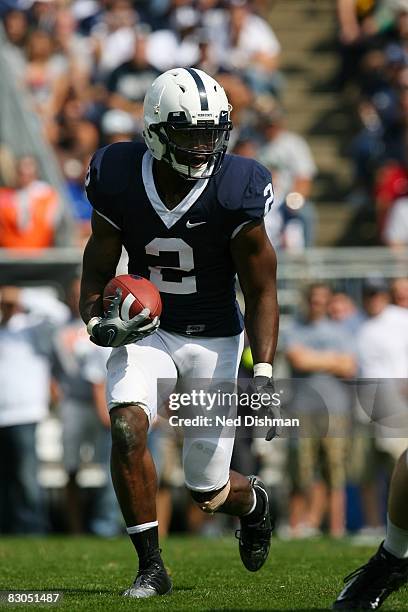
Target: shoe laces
(260,534)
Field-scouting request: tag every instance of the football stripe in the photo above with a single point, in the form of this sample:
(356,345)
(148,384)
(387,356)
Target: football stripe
(126,306)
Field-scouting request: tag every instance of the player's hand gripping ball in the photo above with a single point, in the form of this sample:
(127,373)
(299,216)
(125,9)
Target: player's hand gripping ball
(132,307)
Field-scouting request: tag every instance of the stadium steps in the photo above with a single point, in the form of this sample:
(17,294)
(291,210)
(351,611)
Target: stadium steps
(307,30)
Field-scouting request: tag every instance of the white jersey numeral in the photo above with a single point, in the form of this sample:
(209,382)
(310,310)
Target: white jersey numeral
(268,191)
(183,284)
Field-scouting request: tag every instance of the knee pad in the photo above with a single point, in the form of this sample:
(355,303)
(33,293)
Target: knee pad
(206,464)
(216,500)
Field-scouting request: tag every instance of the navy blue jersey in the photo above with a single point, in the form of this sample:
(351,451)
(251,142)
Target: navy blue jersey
(185,252)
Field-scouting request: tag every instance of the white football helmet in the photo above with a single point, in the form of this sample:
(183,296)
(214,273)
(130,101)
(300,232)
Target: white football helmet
(187,122)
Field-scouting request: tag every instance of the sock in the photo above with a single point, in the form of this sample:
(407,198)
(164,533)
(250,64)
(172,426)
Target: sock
(396,541)
(258,508)
(145,539)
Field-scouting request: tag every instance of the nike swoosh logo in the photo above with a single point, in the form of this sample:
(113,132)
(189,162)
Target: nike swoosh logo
(189,224)
(111,335)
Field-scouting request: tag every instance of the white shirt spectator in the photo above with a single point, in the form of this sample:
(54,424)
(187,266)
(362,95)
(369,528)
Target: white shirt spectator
(43,303)
(115,47)
(396,228)
(256,36)
(383,344)
(288,157)
(24,371)
(165,50)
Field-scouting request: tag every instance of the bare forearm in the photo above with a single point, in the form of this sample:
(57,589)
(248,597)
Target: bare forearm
(262,325)
(308,360)
(302,186)
(96,274)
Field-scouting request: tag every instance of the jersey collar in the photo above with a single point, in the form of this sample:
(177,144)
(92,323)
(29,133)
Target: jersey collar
(169,217)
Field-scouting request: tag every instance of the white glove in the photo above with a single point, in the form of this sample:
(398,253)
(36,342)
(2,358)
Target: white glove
(111,330)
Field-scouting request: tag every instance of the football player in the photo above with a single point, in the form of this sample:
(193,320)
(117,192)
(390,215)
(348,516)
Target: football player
(190,218)
(369,586)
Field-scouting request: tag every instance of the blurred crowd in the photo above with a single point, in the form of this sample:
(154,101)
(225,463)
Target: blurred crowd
(374,74)
(54,424)
(86,66)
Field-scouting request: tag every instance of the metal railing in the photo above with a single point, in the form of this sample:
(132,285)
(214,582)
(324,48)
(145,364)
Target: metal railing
(347,265)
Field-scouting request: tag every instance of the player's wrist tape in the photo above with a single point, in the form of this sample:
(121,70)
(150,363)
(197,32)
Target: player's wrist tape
(263,369)
(91,324)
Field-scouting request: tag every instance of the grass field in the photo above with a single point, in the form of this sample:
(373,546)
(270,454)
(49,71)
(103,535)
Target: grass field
(207,574)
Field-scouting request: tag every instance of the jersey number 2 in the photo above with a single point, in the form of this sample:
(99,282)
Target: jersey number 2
(180,284)
(268,191)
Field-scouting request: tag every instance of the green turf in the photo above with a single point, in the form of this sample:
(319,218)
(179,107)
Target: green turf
(207,574)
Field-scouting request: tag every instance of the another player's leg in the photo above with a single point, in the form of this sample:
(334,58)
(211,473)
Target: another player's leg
(370,585)
(135,482)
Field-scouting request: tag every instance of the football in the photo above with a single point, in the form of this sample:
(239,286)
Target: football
(137,293)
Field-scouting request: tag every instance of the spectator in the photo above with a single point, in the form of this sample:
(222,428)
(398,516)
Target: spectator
(399,292)
(382,341)
(128,83)
(246,43)
(114,37)
(396,226)
(358,26)
(80,370)
(207,59)
(291,222)
(178,45)
(25,352)
(241,99)
(319,352)
(16,30)
(118,126)
(8,175)
(342,309)
(30,214)
(46,75)
(383,354)
(70,46)
(75,173)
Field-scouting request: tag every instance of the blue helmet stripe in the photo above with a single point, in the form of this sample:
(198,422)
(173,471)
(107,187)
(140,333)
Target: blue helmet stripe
(201,88)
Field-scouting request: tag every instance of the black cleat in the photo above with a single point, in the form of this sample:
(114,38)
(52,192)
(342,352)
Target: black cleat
(255,540)
(370,585)
(150,582)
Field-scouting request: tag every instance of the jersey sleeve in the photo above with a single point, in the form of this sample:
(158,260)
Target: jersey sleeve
(107,179)
(249,197)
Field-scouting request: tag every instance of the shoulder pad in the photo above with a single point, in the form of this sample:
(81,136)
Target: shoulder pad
(112,167)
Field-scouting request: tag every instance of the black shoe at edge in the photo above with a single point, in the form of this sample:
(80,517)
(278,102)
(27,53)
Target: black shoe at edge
(370,585)
(255,540)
